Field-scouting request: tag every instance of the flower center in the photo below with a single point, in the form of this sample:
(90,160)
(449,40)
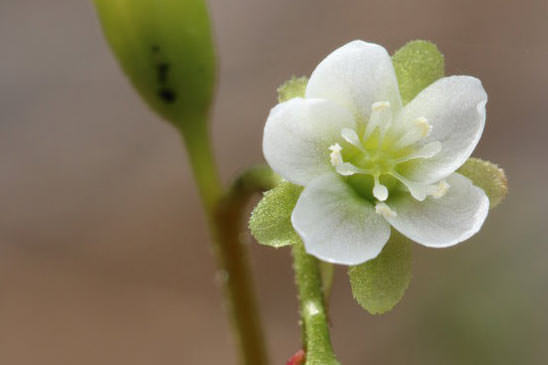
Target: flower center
(376,154)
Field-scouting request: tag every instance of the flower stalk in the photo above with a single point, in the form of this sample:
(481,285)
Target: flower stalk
(167,51)
(316,339)
(224,212)
(202,163)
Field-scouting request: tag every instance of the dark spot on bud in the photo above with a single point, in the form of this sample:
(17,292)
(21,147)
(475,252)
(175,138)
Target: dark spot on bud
(162,70)
(155,48)
(167,95)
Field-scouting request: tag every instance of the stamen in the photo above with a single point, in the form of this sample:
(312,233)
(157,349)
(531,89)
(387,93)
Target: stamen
(380,192)
(335,156)
(347,169)
(384,210)
(440,189)
(343,168)
(424,126)
(428,150)
(384,127)
(381,116)
(419,129)
(418,190)
(380,105)
(351,137)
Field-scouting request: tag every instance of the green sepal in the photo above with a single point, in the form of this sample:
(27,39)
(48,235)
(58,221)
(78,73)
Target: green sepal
(292,88)
(417,64)
(270,221)
(379,284)
(166,49)
(487,176)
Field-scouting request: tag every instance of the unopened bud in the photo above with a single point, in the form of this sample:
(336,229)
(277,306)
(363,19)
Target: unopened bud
(166,49)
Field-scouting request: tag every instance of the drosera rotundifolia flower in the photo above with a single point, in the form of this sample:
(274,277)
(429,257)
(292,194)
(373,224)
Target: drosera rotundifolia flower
(368,146)
(368,162)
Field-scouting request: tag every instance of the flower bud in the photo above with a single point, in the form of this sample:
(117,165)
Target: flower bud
(166,49)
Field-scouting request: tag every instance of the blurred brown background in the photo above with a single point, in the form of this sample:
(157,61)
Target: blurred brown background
(103,251)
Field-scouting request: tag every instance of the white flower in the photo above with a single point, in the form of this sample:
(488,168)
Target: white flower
(367,162)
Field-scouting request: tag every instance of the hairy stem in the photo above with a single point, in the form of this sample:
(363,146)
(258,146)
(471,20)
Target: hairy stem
(316,340)
(224,212)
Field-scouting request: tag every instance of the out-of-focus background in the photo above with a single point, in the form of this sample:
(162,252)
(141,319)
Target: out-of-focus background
(103,247)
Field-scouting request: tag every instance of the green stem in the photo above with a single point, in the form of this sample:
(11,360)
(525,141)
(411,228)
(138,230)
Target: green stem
(316,340)
(224,212)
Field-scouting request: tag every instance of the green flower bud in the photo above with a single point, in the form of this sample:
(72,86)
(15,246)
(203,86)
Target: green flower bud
(166,49)
(417,64)
(487,176)
(292,88)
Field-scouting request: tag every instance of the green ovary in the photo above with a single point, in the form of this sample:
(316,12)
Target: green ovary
(371,157)
(380,162)
(363,185)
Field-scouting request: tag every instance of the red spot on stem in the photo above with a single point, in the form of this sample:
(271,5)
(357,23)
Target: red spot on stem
(297,359)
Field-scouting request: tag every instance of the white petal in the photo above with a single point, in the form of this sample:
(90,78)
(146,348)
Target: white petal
(298,134)
(356,75)
(455,108)
(443,222)
(336,225)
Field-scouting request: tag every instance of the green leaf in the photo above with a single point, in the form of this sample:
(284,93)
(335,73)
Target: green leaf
(166,49)
(487,176)
(417,64)
(270,221)
(378,285)
(293,88)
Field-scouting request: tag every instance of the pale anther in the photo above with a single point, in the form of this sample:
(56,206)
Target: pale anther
(381,116)
(424,126)
(343,168)
(335,156)
(384,210)
(419,129)
(441,189)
